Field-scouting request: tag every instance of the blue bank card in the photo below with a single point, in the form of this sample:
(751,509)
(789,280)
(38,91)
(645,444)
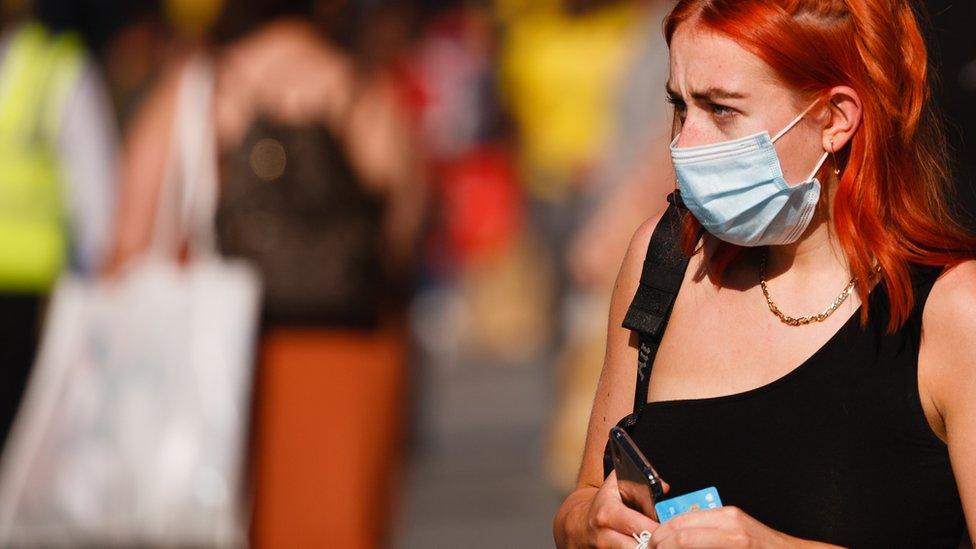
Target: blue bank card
(706,498)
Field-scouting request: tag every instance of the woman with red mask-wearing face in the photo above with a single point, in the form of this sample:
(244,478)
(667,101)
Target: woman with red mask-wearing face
(817,367)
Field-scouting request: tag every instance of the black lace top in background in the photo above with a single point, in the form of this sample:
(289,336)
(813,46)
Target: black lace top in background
(292,203)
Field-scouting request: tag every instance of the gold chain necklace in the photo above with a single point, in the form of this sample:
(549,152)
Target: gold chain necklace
(803,320)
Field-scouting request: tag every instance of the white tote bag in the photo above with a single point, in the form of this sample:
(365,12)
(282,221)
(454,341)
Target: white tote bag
(134,425)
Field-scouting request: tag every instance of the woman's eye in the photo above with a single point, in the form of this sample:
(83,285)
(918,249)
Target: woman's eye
(721,111)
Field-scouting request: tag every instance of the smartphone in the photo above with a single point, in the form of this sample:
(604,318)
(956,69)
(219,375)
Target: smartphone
(639,484)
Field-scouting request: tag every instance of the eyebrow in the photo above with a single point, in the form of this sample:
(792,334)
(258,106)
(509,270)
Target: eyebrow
(709,94)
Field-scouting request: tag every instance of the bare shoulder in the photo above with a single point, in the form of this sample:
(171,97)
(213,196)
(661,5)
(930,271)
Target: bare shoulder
(617,378)
(951,306)
(145,148)
(948,325)
(642,236)
(625,286)
(160,102)
(633,261)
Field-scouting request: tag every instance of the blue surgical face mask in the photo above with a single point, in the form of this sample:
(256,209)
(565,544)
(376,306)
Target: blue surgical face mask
(737,191)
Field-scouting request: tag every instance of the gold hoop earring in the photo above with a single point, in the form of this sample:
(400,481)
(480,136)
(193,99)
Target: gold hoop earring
(832,155)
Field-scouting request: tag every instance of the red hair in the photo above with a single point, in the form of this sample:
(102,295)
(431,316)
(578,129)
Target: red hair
(892,200)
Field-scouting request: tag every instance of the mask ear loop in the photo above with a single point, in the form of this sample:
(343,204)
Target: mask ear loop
(823,158)
(795,121)
(791,125)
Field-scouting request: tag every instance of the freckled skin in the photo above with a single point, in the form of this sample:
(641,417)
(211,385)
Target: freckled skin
(700,60)
(747,346)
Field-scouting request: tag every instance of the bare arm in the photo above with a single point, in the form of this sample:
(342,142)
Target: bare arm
(145,149)
(613,398)
(381,145)
(948,345)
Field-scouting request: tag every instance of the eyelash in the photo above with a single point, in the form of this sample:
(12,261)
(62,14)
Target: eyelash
(721,111)
(679,105)
(718,110)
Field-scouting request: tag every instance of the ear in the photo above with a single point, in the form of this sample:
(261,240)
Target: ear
(844,117)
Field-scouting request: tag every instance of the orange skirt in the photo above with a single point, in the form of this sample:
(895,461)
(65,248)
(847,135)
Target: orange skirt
(328,437)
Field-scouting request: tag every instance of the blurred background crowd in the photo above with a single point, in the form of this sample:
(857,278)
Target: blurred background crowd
(437,195)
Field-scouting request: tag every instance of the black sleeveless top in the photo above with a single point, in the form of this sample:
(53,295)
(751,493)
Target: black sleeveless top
(292,203)
(838,450)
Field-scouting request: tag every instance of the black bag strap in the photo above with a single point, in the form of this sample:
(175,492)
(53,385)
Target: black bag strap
(661,275)
(663,270)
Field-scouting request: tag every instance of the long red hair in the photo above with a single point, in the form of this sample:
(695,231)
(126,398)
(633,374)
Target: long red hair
(892,201)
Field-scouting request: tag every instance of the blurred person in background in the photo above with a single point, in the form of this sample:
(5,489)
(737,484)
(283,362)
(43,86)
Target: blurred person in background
(139,37)
(58,158)
(320,188)
(560,66)
(483,300)
(795,420)
(634,170)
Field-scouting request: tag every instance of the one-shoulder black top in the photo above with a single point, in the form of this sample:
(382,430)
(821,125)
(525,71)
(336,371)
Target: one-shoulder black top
(838,450)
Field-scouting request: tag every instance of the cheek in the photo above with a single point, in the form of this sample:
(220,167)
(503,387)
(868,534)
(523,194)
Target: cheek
(699,130)
(797,162)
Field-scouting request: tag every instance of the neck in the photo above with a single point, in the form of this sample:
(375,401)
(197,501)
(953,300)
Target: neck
(817,250)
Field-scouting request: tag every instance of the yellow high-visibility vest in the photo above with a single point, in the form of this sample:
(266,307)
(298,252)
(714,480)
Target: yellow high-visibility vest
(36,76)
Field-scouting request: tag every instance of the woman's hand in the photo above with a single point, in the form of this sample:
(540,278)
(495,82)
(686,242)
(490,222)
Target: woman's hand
(722,527)
(610,523)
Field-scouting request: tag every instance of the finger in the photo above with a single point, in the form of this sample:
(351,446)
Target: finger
(614,540)
(663,532)
(619,516)
(709,518)
(698,538)
(612,514)
(628,521)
